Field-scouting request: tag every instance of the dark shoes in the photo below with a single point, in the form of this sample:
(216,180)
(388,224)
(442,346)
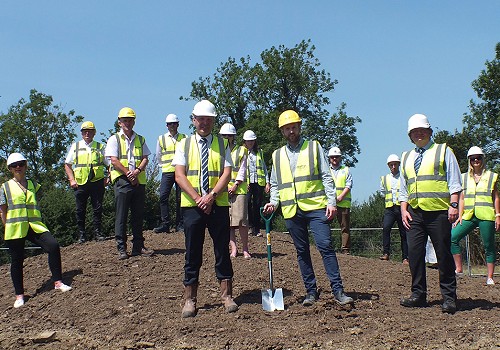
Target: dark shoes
(179,229)
(414,301)
(122,255)
(342,299)
(161,229)
(81,237)
(449,306)
(310,299)
(384,257)
(99,236)
(142,252)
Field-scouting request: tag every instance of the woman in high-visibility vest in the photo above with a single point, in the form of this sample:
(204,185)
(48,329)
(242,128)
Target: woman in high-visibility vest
(479,207)
(22,221)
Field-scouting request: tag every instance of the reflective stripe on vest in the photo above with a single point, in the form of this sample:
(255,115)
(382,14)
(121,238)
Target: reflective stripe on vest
(122,157)
(478,198)
(83,159)
(237,155)
(305,188)
(386,184)
(427,190)
(216,159)
(167,151)
(260,165)
(22,210)
(340,181)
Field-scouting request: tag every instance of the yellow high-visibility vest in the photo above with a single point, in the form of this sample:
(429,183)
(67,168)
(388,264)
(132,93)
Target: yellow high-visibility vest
(386,185)
(237,155)
(216,159)
(340,180)
(84,160)
(305,188)
(478,198)
(260,165)
(427,190)
(167,147)
(138,145)
(22,210)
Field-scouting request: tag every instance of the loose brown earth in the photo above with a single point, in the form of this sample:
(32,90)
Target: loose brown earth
(136,304)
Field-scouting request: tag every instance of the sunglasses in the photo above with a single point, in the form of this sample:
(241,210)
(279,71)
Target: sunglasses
(172,124)
(18,164)
(334,157)
(476,158)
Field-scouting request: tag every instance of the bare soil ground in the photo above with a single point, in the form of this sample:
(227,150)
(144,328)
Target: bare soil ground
(136,304)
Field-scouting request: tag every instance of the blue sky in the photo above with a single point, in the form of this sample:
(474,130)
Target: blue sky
(392,58)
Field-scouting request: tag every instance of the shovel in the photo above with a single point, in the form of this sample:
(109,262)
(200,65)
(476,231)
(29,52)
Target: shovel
(272,299)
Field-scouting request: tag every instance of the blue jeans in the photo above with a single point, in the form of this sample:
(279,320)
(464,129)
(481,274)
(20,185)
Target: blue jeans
(320,228)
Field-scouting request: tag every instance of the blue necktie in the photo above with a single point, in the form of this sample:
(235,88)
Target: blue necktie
(418,159)
(204,164)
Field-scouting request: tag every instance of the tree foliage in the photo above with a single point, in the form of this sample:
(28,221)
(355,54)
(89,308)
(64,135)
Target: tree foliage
(42,132)
(253,96)
(483,120)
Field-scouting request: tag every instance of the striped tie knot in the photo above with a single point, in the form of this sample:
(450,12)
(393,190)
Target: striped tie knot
(418,158)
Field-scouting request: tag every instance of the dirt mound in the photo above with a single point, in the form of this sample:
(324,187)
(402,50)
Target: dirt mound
(136,303)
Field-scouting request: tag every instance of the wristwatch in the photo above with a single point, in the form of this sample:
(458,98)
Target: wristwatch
(214,194)
(454,205)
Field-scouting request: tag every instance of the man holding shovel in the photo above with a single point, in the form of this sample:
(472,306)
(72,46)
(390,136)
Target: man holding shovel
(302,183)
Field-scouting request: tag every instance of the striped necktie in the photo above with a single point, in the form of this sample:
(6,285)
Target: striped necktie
(418,159)
(204,164)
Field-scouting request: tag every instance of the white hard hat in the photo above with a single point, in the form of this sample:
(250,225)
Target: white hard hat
(418,121)
(204,108)
(474,150)
(249,135)
(227,129)
(334,151)
(393,158)
(171,118)
(15,157)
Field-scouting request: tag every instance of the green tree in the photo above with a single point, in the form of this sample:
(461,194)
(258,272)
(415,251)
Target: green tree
(253,96)
(42,132)
(483,120)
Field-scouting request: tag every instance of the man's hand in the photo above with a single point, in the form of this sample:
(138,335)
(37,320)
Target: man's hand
(205,203)
(73,184)
(331,212)
(406,217)
(452,214)
(269,209)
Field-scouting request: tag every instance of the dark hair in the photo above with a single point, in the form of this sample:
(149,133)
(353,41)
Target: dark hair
(255,147)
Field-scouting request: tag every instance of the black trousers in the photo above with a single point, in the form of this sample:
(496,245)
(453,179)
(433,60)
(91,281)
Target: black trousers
(166,184)
(254,197)
(16,250)
(195,223)
(392,215)
(94,190)
(129,197)
(436,225)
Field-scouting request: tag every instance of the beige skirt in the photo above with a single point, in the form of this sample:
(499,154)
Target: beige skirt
(238,210)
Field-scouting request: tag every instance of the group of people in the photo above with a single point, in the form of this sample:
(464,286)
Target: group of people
(220,185)
(429,198)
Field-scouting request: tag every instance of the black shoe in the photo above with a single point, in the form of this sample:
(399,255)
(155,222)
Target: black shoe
(179,229)
(142,252)
(122,255)
(414,301)
(81,237)
(342,299)
(161,229)
(99,236)
(449,306)
(310,299)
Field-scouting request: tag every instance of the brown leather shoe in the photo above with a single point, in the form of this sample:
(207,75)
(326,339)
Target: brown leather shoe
(384,257)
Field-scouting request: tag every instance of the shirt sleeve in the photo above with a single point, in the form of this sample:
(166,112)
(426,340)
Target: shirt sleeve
(71,154)
(111,147)
(326,177)
(243,170)
(274,194)
(348,180)
(453,175)
(3,199)
(158,152)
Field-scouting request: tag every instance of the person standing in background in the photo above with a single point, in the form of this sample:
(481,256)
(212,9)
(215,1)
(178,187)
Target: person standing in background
(258,180)
(342,178)
(389,187)
(165,150)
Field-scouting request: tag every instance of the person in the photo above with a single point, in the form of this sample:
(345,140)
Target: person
(258,181)
(203,170)
(479,207)
(22,221)
(343,183)
(237,190)
(165,149)
(301,182)
(128,154)
(389,187)
(429,189)
(85,167)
